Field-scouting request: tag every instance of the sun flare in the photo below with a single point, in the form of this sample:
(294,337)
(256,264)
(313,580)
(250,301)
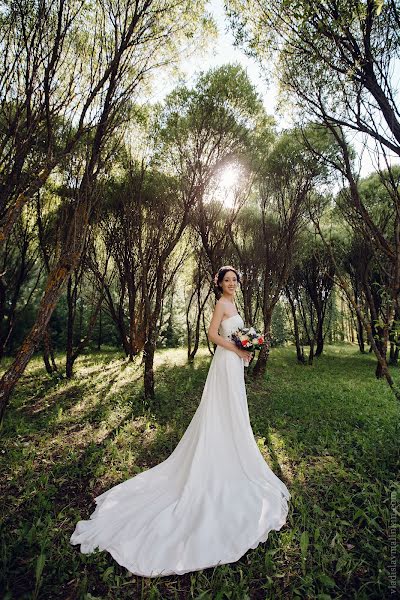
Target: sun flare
(229,177)
(227,183)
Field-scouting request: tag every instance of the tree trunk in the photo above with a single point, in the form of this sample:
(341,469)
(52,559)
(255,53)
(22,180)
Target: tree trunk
(71,298)
(393,337)
(132,307)
(2,314)
(55,283)
(48,353)
(263,355)
(319,336)
(299,349)
(360,335)
(392,354)
(396,357)
(211,350)
(382,351)
(200,313)
(193,352)
(84,341)
(99,337)
(46,358)
(118,319)
(311,354)
(152,335)
(148,355)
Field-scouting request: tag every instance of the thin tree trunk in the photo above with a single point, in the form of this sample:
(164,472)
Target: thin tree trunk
(148,355)
(394,348)
(208,341)
(380,358)
(200,312)
(360,335)
(84,341)
(55,283)
(46,357)
(152,334)
(48,353)
(2,313)
(263,355)
(299,349)
(71,299)
(99,337)
(118,319)
(319,336)
(311,354)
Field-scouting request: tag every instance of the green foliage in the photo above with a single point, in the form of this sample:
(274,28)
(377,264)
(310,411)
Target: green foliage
(302,153)
(279,326)
(379,193)
(330,431)
(209,124)
(224,94)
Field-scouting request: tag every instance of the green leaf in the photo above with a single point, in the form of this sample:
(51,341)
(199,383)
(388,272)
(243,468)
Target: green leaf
(107,573)
(326,580)
(304,543)
(39,567)
(203,596)
(378,7)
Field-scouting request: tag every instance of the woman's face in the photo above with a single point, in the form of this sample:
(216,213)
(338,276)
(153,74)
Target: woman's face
(229,283)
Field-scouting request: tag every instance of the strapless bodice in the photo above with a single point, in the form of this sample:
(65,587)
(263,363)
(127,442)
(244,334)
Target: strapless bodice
(230,324)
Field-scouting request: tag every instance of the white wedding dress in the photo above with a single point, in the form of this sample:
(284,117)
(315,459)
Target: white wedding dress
(210,501)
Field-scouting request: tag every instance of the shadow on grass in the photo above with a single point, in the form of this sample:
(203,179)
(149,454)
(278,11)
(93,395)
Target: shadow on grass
(90,433)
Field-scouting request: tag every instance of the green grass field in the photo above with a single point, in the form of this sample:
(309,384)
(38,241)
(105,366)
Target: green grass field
(329,431)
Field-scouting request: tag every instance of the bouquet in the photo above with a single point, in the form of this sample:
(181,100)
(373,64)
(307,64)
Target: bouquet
(247,339)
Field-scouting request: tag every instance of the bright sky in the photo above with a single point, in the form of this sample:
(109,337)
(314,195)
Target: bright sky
(223,51)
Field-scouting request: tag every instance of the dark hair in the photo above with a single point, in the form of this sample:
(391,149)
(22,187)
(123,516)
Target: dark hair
(221,274)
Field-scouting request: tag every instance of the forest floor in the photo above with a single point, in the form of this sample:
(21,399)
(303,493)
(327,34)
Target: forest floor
(329,431)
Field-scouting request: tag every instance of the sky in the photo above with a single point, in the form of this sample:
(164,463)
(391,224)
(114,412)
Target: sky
(223,51)
(219,52)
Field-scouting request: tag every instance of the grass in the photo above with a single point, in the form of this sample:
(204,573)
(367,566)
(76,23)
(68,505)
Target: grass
(330,431)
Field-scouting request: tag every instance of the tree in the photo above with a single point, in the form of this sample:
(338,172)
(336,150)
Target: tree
(75,284)
(373,262)
(70,68)
(119,231)
(287,179)
(247,240)
(308,291)
(200,292)
(163,217)
(20,276)
(129,40)
(336,57)
(201,130)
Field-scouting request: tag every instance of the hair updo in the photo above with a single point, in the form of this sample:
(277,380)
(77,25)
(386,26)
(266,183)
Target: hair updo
(219,276)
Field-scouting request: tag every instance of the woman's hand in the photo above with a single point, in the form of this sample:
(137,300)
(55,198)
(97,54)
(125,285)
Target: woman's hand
(244,354)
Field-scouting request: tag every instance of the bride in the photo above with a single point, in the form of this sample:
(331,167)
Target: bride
(215,496)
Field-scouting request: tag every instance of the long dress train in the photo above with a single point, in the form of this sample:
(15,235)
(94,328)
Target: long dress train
(210,501)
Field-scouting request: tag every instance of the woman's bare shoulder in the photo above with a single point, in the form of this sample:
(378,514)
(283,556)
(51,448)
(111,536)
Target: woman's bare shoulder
(219,306)
(220,301)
